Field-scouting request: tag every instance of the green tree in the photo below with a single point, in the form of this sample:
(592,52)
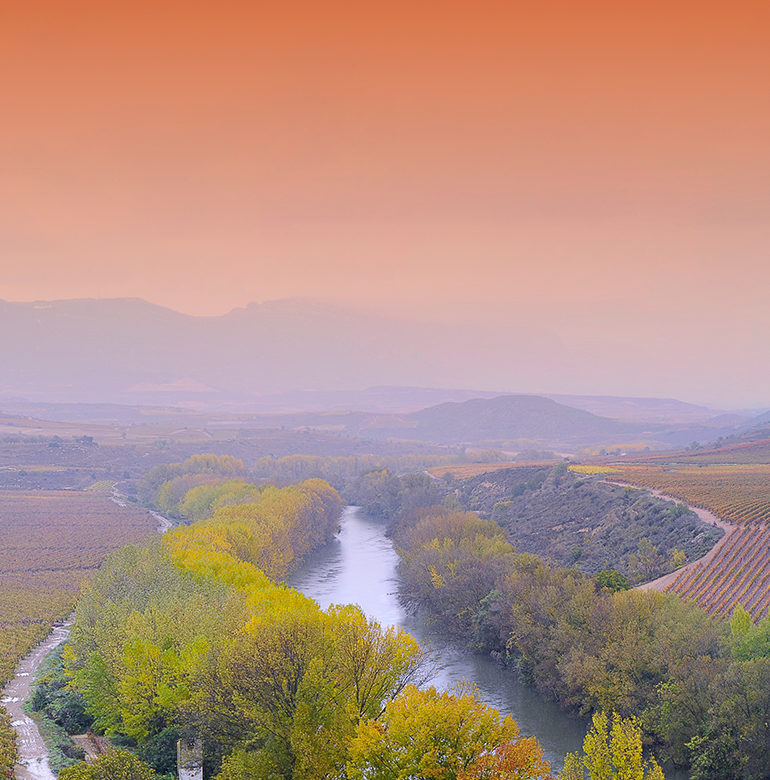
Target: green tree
(613,580)
(747,639)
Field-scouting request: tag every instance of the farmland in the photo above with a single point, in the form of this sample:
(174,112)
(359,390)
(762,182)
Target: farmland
(739,573)
(739,452)
(50,544)
(469,470)
(736,493)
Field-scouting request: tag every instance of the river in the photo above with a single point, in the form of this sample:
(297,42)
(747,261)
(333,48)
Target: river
(359,567)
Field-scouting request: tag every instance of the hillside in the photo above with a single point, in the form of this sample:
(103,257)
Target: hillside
(732,482)
(632,409)
(511,417)
(509,421)
(571,520)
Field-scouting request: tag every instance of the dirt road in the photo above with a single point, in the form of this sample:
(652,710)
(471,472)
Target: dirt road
(33,763)
(664,582)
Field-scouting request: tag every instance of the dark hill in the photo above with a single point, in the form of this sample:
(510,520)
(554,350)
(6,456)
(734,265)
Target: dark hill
(508,419)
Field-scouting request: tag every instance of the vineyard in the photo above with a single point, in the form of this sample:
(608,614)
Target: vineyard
(736,493)
(50,543)
(745,452)
(739,570)
(738,574)
(469,470)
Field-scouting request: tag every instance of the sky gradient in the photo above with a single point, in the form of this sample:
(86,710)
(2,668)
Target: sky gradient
(599,168)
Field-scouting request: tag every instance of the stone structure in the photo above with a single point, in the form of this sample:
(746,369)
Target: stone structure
(189,759)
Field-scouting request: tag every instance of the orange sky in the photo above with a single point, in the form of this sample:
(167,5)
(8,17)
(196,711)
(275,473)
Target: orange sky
(448,158)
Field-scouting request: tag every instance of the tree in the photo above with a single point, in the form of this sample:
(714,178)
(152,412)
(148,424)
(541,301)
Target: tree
(734,741)
(613,580)
(115,765)
(443,736)
(612,750)
(647,563)
(747,639)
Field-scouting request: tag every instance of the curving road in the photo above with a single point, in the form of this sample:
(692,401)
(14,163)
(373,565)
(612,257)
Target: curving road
(708,517)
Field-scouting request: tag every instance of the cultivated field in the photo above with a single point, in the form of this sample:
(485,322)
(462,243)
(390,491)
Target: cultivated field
(468,470)
(746,452)
(739,571)
(738,574)
(50,543)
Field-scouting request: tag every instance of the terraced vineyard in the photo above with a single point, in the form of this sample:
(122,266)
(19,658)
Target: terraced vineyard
(739,571)
(50,543)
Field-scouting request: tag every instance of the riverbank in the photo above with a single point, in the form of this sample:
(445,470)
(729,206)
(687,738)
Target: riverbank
(32,762)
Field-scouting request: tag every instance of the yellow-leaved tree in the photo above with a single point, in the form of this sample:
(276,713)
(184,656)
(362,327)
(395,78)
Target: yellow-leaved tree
(443,736)
(612,750)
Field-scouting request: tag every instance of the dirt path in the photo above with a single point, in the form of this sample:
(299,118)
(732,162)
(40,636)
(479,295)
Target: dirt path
(33,756)
(664,582)
(163,522)
(33,763)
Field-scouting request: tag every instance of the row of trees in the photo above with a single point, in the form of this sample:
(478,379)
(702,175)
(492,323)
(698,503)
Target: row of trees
(190,635)
(167,487)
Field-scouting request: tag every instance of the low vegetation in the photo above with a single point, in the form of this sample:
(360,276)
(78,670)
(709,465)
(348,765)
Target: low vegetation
(566,518)
(8,753)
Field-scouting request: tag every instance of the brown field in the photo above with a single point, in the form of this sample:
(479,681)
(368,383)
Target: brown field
(50,543)
(751,452)
(468,470)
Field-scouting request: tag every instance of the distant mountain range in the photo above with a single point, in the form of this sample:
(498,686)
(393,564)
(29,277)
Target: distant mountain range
(510,422)
(514,418)
(132,352)
(282,364)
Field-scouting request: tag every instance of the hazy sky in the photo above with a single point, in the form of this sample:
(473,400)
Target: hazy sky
(604,167)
